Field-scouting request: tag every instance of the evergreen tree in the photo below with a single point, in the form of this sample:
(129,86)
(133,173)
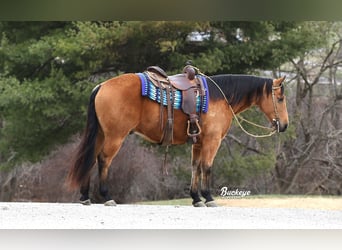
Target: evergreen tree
(47,69)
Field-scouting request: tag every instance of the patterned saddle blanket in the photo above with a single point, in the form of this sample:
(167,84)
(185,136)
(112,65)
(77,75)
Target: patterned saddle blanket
(153,92)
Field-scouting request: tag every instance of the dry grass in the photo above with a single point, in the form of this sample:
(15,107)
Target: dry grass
(267,201)
(307,202)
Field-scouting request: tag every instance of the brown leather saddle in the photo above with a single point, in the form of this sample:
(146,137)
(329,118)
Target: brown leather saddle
(191,88)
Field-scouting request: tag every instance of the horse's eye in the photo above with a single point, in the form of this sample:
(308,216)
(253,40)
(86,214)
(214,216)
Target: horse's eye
(281,99)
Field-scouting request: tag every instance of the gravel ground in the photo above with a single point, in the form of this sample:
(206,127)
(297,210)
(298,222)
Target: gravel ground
(17,215)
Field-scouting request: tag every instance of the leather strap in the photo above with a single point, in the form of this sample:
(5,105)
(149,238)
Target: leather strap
(168,130)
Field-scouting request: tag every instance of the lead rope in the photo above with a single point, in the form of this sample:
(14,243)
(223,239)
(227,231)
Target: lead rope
(243,119)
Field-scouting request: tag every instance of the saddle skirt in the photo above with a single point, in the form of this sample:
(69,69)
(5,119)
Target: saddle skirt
(153,92)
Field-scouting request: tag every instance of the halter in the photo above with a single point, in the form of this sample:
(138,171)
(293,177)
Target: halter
(275,121)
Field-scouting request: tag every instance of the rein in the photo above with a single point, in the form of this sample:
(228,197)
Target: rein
(237,117)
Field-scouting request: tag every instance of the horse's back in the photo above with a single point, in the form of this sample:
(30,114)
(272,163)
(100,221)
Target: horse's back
(125,86)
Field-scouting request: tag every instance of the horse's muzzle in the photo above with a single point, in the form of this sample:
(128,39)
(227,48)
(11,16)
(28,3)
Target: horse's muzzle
(278,126)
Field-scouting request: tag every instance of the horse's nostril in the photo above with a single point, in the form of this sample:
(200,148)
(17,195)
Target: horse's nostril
(284,127)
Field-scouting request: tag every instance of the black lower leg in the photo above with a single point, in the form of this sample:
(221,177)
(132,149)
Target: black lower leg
(207,195)
(205,191)
(195,197)
(104,191)
(85,190)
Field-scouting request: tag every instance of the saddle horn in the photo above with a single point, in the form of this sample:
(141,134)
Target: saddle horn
(190,72)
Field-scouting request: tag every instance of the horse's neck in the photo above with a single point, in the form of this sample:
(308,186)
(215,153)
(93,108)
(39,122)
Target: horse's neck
(240,107)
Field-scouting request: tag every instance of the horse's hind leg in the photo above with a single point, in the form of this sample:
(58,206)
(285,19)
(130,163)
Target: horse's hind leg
(110,149)
(103,176)
(85,200)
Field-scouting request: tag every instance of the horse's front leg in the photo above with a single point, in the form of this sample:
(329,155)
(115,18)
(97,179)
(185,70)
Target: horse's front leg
(196,173)
(205,186)
(208,153)
(195,178)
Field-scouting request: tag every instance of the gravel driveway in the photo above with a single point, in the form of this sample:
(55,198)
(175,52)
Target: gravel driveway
(15,215)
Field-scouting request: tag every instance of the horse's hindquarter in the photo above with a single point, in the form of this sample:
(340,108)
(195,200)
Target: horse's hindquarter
(118,104)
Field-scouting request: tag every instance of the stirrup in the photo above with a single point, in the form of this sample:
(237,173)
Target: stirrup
(198,127)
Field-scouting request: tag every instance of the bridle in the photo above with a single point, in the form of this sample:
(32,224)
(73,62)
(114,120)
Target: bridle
(275,121)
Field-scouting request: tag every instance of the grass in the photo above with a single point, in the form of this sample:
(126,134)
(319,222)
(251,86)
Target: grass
(267,201)
(176,202)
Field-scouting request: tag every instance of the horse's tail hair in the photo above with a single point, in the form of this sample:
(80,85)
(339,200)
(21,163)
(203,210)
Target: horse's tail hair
(85,157)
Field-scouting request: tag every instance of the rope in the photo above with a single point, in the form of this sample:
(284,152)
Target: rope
(236,116)
(256,125)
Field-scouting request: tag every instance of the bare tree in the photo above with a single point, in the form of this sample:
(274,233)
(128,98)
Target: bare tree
(312,162)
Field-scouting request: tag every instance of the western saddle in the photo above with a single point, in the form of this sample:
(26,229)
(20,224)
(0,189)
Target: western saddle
(191,87)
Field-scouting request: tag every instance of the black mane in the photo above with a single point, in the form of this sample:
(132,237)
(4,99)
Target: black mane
(238,87)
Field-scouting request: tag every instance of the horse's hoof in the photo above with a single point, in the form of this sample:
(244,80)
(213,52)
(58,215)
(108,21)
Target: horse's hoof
(110,203)
(199,204)
(86,202)
(211,204)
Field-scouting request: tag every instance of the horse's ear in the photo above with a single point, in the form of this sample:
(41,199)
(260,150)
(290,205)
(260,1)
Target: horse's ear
(280,80)
(283,79)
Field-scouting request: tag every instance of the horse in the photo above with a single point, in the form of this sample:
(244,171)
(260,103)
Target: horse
(117,108)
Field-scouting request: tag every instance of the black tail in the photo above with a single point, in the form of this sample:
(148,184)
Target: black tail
(85,156)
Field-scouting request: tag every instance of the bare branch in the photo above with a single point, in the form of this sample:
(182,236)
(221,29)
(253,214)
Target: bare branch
(230,136)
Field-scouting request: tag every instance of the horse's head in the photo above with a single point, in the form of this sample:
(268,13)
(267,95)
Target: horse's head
(274,106)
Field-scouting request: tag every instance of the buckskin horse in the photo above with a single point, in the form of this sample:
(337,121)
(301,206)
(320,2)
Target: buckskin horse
(117,108)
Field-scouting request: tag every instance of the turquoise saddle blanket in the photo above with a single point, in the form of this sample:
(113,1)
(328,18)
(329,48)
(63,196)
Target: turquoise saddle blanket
(149,90)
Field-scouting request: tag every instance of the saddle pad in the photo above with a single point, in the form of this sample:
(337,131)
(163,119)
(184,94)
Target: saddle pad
(148,89)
